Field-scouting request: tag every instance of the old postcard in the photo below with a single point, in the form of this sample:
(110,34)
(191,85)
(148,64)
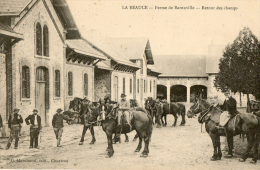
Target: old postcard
(129,84)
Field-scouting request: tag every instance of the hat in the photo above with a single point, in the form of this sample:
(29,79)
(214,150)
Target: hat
(35,110)
(59,110)
(16,110)
(123,95)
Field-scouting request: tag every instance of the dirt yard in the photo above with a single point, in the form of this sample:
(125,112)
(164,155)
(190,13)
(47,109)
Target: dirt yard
(182,147)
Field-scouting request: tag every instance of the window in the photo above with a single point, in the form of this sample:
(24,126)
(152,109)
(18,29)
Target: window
(25,82)
(45,41)
(138,83)
(150,86)
(124,85)
(70,83)
(86,84)
(38,39)
(131,86)
(57,83)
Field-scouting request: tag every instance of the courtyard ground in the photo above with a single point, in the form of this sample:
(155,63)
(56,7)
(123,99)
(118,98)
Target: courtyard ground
(181,147)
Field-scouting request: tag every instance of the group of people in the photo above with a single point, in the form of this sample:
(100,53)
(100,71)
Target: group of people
(15,122)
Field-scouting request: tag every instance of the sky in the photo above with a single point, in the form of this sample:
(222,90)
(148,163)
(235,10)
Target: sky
(182,32)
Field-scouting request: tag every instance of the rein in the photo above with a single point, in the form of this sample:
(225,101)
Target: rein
(206,112)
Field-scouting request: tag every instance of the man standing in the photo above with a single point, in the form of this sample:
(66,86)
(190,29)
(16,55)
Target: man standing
(57,123)
(230,109)
(35,121)
(14,123)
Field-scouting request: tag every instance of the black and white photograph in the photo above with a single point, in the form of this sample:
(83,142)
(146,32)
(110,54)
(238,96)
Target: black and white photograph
(130,84)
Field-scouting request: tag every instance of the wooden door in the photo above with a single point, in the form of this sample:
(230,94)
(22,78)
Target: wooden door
(40,100)
(42,93)
(116,88)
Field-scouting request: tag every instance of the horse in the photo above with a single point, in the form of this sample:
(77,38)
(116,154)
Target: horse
(83,109)
(210,115)
(73,110)
(141,123)
(175,109)
(158,113)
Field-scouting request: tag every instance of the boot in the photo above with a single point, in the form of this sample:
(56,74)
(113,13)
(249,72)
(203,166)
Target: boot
(58,143)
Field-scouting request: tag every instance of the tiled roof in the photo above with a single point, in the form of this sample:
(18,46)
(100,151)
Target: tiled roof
(181,65)
(132,48)
(83,47)
(12,7)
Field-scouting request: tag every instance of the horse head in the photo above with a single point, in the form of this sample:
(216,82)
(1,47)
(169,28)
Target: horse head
(75,104)
(107,110)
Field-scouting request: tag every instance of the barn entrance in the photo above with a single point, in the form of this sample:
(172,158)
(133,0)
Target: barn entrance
(161,92)
(178,93)
(42,93)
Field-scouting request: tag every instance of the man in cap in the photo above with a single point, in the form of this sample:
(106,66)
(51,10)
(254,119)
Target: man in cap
(14,123)
(35,121)
(229,107)
(123,109)
(57,123)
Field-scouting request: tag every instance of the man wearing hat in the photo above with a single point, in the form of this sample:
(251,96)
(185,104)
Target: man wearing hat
(35,121)
(14,123)
(123,109)
(57,123)
(229,107)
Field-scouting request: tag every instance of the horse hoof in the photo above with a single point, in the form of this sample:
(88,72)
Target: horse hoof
(144,155)
(228,156)
(92,142)
(241,160)
(126,140)
(182,124)
(213,158)
(137,150)
(80,143)
(253,161)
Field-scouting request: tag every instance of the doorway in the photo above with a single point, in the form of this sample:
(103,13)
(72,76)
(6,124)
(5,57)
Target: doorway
(42,93)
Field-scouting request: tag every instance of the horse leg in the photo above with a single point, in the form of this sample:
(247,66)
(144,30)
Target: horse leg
(93,135)
(250,144)
(175,119)
(126,138)
(230,142)
(85,128)
(139,146)
(162,120)
(136,136)
(215,154)
(219,155)
(255,153)
(165,120)
(182,119)
(146,147)
(110,150)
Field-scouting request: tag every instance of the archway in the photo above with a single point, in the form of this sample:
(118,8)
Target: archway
(199,91)
(178,93)
(161,92)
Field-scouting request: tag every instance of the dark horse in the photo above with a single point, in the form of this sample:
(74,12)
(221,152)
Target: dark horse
(83,107)
(210,115)
(150,107)
(141,123)
(175,109)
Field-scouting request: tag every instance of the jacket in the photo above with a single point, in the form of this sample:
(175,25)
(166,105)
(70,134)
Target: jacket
(57,120)
(230,105)
(30,120)
(15,119)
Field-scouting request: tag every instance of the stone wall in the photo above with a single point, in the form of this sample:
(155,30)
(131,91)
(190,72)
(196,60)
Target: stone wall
(102,83)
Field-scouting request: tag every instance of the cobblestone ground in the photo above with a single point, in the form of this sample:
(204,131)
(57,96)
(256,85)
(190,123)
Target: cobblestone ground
(182,147)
